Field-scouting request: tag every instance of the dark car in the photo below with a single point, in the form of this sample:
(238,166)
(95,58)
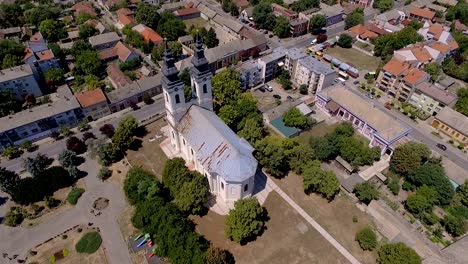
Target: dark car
(277,96)
(290,98)
(356,82)
(270,36)
(441,146)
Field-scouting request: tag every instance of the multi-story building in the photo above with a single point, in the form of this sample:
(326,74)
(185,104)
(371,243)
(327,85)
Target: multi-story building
(313,73)
(250,74)
(381,129)
(292,57)
(104,41)
(452,124)
(431,99)
(20,81)
(40,62)
(93,103)
(298,27)
(272,63)
(40,121)
(282,11)
(408,83)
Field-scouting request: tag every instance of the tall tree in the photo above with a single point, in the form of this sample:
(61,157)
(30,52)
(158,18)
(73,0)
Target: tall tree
(245,221)
(345,41)
(210,39)
(282,28)
(318,180)
(36,165)
(294,118)
(433,175)
(317,22)
(8,103)
(355,18)
(462,103)
(366,192)
(52,30)
(123,137)
(408,157)
(226,86)
(383,5)
(86,31)
(193,194)
(263,16)
(148,15)
(88,63)
(170,27)
(8,180)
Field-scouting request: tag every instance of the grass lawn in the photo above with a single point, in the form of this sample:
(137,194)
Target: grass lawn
(74,195)
(287,239)
(360,60)
(89,243)
(336,216)
(150,156)
(318,130)
(197,22)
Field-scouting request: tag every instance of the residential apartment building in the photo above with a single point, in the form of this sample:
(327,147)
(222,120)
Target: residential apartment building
(104,41)
(408,83)
(381,129)
(431,99)
(40,121)
(40,62)
(313,73)
(298,27)
(292,57)
(282,11)
(250,74)
(272,64)
(20,81)
(93,103)
(452,124)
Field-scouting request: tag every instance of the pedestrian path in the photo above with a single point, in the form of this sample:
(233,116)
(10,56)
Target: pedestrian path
(312,222)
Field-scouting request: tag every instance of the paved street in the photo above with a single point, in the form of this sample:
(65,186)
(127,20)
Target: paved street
(18,240)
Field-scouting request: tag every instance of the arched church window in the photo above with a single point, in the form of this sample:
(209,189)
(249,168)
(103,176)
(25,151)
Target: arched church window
(205,90)
(177,99)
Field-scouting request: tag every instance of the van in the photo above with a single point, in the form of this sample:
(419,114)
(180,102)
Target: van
(268,87)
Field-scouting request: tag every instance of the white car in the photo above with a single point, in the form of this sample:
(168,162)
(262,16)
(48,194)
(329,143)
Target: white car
(268,87)
(313,42)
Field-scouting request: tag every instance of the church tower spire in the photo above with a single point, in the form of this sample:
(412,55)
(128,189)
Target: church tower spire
(174,99)
(200,75)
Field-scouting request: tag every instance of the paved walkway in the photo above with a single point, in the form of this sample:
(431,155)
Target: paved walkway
(308,218)
(18,240)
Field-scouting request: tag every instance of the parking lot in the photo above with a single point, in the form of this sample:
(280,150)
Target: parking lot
(266,101)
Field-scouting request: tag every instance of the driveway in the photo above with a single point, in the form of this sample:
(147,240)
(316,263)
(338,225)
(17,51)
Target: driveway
(18,240)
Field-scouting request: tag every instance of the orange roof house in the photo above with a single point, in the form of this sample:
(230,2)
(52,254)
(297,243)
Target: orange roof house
(395,67)
(120,51)
(414,76)
(126,20)
(124,11)
(150,35)
(90,98)
(422,14)
(84,7)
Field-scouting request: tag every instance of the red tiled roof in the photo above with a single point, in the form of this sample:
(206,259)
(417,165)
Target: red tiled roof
(125,20)
(45,55)
(453,44)
(117,76)
(89,98)
(119,50)
(28,53)
(425,13)
(395,67)
(84,7)
(150,35)
(186,11)
(242,3)
(376,29)
(442,47)
(414,75)
(421,54)
(436,30)
(124,11)
(36,37)
(358,29)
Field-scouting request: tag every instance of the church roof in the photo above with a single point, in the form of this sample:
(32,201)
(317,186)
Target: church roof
(218,149)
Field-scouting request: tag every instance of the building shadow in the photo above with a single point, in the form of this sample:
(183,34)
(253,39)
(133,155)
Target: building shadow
(259,181)
(3,200)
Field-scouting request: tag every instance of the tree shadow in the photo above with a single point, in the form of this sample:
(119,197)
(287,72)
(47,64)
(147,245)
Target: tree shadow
(79,160)
(82,174)
(3,200)
(141,132)
(136,144)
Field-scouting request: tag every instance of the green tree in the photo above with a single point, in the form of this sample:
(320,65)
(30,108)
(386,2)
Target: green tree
(417,203)
(386,44)
(345,41)
(252,131)
(8,103)
(40,13)
(354,18)
(27,145)
(157,52)
(65,131)
(398,253)
(434,69)
(300,155)
(216,255)
(88,63)
(148,15)
(86,31)
(366,192)
(408,157)
(433,175)
(55,76)
(367,238)
(170,27)
(454,225)
(11,53)
(317,22)
(10,61)
(273,153)
(8,180)
(463,192)
(52,30)
(303,5)
(193,194)
(284,78)
(282,28)
(263,16)
(36,165)
(76,145)
(318,180)
(67,158)
(11,152)
(383,5)
(175,174)
(123,137)
(83,17)
(294,118)
(462,103)
(210,39)
(226,87)
(245,221)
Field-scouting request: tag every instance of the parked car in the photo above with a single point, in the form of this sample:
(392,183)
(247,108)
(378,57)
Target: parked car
(388,106)
(268,87)
(356,82)
(270,36)
(290,98)
(441,146)
(370,96)
(277,96)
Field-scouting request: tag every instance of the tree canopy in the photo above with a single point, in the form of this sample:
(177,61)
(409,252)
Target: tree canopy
(366,192)
(263,16)
(11,53)
(245,221)
(383,5)
(317,22)
(345,41)
(398,253)
(148,15)
(52,30)
(320,181)
(433,175)
(294,118)
(8,103)
(170,27)
(367,238)
(282,28)
(88,63)
(386,44)
(303,5)
(123,137)
(462,103)
(408,157)
(354,18)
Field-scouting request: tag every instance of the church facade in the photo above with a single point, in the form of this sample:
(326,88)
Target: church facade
(206,143)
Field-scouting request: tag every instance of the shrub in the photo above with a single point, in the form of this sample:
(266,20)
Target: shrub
(104,173)
(454,225)
(14,217)
(88,135)
(51,202)
(407,186)
(366,192)
(367,239)
(65,252)
(64,236)
(355,219)
(76,145)
(89,243)
(107,130)
(398,253)
(84,126)
(74,195)
(52,259)
(245,221)
(65,131)
(394,187)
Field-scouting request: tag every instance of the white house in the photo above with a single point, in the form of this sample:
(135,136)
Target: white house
(197,134)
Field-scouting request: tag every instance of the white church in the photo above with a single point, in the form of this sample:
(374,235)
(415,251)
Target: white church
(198,135)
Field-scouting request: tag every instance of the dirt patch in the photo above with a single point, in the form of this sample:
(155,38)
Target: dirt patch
(56,246)
(150,156)
(318,130)
(336,216)
(101,203)
(119,172)
(287,239)
(360,60)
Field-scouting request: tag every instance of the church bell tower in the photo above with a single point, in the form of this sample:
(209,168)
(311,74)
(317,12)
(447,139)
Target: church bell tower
(200,75)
